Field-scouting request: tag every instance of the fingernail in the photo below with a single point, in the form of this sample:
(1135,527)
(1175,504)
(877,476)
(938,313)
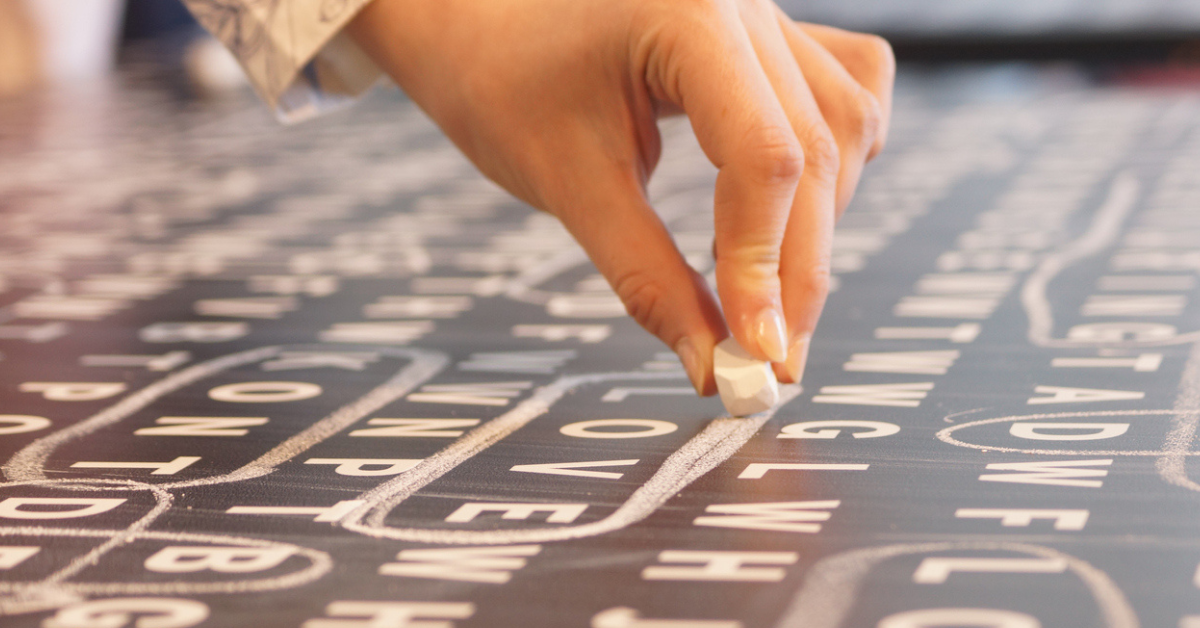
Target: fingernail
(798,357)
(771,339)
(690,357)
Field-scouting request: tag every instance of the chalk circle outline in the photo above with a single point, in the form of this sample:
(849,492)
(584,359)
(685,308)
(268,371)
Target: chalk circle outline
(945,434)
(320,563)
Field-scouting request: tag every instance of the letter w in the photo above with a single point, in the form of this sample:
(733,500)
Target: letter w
(1056,473)
(898,395)
(775,516)
(492,565)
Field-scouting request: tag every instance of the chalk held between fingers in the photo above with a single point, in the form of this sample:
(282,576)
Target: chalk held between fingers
(747,386)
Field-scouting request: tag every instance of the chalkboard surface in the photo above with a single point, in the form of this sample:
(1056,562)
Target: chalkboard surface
(327,376)
(940,18)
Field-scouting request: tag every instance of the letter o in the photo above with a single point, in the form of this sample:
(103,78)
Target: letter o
(645,428)
(264,392)
(21,423)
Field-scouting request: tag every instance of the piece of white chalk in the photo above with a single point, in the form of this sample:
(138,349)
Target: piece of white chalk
(746,385)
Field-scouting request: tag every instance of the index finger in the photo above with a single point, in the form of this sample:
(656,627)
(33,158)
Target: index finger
(709,69)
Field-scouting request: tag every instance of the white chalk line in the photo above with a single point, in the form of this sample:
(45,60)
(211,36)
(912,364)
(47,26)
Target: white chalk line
(53,591)
(423,366)
(28,464)
(1103,233)
(944,434)
(715,444)
(832,585)
(1171,466)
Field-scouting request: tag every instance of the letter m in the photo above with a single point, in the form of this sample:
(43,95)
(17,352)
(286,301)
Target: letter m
(492,565)
(897,395)
(1054,473)
(773,516)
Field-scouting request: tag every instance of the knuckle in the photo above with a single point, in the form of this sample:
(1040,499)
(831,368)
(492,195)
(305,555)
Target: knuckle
(821,153)
(814,282)
(643,298)
(776,155)
(868,116)
(754,262)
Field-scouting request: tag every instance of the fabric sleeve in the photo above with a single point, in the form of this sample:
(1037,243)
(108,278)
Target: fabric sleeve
(294,51)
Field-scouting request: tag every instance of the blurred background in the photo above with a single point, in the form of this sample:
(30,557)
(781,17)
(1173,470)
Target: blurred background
(65,42)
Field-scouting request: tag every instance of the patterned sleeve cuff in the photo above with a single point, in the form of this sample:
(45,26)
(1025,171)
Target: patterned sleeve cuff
(294,51)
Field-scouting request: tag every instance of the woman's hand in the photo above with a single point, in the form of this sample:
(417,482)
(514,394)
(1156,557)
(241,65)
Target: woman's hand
(558,101)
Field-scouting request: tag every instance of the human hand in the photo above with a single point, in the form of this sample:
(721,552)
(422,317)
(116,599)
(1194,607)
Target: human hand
(558,101)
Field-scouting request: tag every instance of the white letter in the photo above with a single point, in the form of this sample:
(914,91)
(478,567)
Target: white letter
(74,391)
(160,612)
(355,466)
(10,508)
(1023,517)
(416,428)
(959,618)
(486,394)
(1143,363)
(264,392)
(200,426)
(246,307)
(1061,394)
(193,332)
(775,516)
(1054,473)
(160,468)
(1134,305)
(621,394)
(13,555)
(622,617)
(916,362)
(558,333)
(1096,431)
(535,362)
(182,559)
(493,565)
(21,423)
(757,470)
(571,468)
(896,395)
(966,332)
(164,362)
(1119,332)
(391,333)
(721,566)
(392,614)
(418,307)
(645,428)
(936,570)
(559,513)
(322,515)
(874,429)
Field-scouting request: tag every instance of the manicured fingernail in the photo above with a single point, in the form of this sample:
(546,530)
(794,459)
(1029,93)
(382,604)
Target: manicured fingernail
(768,328)
(798,357)
(690,357)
